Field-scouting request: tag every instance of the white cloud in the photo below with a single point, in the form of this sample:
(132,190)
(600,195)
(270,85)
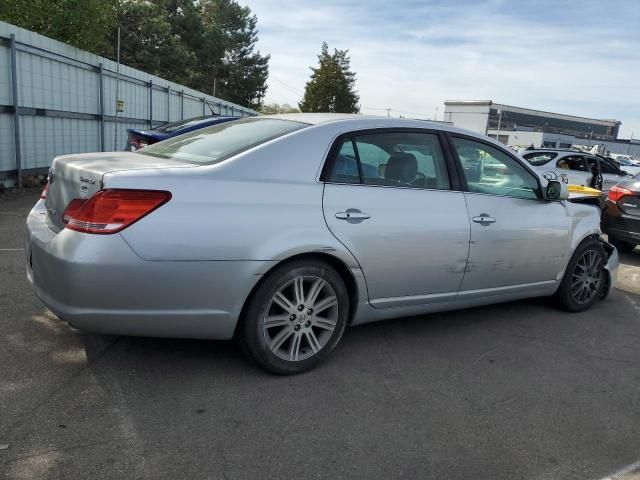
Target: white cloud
(411,56)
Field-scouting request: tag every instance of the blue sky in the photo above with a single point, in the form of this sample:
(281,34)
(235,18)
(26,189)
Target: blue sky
(574,57)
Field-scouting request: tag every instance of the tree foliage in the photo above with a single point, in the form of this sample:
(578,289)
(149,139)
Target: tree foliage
(84,24)
(193,42)
(331,87)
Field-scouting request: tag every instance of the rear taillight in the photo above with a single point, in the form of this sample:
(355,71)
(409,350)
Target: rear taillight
(616,193)
(109,211)
(72,209)
(43,195)
(136,143)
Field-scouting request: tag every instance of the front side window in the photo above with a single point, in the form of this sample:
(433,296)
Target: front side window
(489,170)
(606,167)
(217,143)
(402,159)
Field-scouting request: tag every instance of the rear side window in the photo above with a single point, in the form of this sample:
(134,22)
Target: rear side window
(217,143)
(539,158)
(400,159)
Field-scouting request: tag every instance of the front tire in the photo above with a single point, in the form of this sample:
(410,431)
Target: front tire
(584,278)
(296,317)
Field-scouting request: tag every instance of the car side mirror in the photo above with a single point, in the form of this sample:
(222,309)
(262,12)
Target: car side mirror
(557,191)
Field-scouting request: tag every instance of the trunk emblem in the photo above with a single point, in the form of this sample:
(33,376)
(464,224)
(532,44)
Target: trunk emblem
(90,181)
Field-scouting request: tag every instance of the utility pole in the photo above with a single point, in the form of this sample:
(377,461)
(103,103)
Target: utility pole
(388,111)
(115,137)
(499,122)
(435,117)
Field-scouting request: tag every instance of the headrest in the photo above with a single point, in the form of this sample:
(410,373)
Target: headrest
(402,167)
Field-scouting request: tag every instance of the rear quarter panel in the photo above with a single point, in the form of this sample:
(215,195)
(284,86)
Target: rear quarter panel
(264,204)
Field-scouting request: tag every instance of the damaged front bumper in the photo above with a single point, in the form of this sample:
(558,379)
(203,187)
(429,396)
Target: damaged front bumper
(611,267)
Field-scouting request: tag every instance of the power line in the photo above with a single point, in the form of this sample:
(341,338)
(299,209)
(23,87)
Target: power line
(286,85)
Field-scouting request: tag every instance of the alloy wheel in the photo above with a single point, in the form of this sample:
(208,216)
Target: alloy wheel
(300,318)
(587,276)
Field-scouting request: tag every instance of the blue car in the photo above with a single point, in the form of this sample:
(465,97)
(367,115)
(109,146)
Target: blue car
(137,139)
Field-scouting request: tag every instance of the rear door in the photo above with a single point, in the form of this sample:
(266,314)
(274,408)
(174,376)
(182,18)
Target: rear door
(518,240)
(390,200)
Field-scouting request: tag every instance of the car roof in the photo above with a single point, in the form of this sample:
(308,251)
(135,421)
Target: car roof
(357,122)
(556,150)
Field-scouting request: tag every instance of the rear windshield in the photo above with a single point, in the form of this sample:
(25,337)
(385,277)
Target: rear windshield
(539,158)
(217,143)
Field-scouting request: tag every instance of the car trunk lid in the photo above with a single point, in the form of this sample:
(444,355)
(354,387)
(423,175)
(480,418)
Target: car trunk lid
(81,175)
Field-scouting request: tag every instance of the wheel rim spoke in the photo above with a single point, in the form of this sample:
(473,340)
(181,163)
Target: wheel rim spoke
(314,291)
(301,318)
(298,287)
(276,321)
(282,301)
(313,341)
(280,338)
(325,303)
(324,323)
(294,349)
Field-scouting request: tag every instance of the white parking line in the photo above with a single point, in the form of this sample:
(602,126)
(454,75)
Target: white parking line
(11,249)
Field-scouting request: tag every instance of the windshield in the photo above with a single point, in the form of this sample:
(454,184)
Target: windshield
(217,143)
(539,158)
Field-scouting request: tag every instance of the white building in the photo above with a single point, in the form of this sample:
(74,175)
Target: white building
(523,127)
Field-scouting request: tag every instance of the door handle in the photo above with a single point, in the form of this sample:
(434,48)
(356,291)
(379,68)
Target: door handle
(352,214)
(484,219)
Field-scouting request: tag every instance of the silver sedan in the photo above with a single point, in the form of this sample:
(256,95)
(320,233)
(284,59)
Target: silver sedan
(282,230)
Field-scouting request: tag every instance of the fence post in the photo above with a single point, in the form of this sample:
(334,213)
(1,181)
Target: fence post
(204,111)
(181,104)
(232,110)
(150,104)
(168,104)
(101,105)
(16,114)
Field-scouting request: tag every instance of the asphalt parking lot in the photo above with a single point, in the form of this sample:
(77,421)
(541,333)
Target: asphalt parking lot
(519,390)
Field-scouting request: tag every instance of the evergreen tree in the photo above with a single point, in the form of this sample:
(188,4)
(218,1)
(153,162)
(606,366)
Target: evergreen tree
(193,42)
(241,72)
(331,87)
(81,23)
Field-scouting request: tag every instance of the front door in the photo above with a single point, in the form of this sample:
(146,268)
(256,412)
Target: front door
(388,199)
(611,175)
(517,239)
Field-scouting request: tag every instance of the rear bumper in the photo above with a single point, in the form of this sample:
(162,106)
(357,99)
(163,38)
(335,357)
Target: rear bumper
(97,283)
(619,225)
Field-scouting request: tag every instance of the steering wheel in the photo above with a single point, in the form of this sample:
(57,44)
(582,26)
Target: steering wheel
(420,177)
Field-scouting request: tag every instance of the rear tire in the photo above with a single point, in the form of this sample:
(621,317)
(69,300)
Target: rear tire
(621,245)
(584,278)
(296,317)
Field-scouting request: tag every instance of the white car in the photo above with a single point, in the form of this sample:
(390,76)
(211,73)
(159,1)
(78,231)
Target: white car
(577,168)
(627,164)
